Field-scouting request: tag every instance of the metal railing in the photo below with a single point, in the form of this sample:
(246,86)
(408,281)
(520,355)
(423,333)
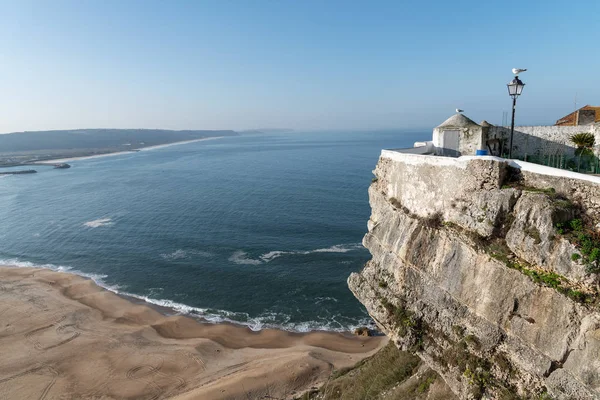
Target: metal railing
(586,164)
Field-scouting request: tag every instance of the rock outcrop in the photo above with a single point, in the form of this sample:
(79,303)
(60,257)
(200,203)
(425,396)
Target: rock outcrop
(470,272)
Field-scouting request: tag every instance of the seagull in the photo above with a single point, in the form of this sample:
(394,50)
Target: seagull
(458,110)
(517,71)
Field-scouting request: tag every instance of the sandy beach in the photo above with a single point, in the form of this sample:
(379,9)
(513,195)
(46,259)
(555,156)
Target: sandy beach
(118,153)
(62,336)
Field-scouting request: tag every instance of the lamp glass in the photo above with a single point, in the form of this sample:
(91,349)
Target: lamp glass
(515,87)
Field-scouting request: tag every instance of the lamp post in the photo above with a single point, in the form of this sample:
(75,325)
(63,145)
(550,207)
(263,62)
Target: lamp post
(515,88)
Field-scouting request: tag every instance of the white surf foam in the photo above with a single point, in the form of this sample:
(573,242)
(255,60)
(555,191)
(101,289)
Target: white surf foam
(241,257)
(338,248)
(99,222)
(263,321)
(97,278)
(176,255)
(274,254)
(201,253)
(180,254)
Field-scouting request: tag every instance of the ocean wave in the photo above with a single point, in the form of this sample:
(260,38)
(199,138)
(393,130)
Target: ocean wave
(176,255)
(97,278)
(99,222)
(266,320)
(180,253)
(201,253)
(338,248)
(319,300)
(241,257)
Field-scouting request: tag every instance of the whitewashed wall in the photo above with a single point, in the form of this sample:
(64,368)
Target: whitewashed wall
(544,140)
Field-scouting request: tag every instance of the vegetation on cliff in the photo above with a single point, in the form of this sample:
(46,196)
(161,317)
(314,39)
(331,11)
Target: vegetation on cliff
(587,241)
(391,374)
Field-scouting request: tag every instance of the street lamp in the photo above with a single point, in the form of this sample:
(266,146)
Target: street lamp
(515,88)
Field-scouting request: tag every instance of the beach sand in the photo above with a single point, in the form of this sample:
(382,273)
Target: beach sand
(62,336)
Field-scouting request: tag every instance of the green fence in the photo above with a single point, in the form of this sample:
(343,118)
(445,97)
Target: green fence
(587,164)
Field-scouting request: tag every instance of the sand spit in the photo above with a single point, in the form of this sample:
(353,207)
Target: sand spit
(62,336)
(118,153)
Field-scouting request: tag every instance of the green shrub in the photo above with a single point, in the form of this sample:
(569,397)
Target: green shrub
(586,240)
(577,295)
(564,203)
(500,252)
(576,224)
(585,143)
(545,396)
(372,376)
(424,386)
(403,320)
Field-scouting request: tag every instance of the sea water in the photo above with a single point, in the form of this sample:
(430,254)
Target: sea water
(259,229)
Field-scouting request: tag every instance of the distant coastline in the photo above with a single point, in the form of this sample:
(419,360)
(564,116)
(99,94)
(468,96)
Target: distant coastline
(44,147)
(118,153)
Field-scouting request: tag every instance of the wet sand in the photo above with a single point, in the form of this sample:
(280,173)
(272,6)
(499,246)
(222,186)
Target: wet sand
(62,336)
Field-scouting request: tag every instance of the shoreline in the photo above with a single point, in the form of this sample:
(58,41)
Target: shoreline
(169,307)
(118,153)
(102,344)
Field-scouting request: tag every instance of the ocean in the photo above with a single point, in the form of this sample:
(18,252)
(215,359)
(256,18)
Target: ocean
(259,229)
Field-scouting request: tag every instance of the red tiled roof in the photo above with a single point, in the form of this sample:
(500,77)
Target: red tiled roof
(571,119)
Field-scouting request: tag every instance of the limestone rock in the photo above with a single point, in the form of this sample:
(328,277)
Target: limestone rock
(363,331)
(533,236)
(437,286)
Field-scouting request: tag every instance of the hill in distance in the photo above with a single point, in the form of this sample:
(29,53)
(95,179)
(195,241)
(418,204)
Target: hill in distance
(24,147)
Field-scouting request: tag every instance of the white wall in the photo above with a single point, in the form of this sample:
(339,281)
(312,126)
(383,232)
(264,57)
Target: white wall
(543,140)
(463,161)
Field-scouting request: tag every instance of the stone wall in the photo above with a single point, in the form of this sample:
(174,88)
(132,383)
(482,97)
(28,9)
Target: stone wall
(442,174)
(543,140)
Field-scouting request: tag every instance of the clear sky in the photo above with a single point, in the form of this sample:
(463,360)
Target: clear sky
(305,64)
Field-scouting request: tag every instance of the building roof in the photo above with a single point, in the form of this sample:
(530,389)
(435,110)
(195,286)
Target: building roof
(457,121)
(571,119)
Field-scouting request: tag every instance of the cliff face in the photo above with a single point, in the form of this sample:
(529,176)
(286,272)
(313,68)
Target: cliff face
(470,272)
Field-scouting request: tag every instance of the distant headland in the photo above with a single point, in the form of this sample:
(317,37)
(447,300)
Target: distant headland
(55,147)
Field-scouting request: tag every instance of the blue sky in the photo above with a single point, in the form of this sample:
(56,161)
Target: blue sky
(300,64)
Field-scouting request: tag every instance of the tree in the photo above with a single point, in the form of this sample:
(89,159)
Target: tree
(585,143)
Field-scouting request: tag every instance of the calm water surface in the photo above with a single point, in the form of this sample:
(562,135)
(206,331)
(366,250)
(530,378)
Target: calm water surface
(258,229)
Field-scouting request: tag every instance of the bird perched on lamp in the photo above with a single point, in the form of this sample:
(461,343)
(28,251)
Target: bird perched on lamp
(517,71)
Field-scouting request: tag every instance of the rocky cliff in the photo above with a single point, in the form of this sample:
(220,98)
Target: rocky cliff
(487,272)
